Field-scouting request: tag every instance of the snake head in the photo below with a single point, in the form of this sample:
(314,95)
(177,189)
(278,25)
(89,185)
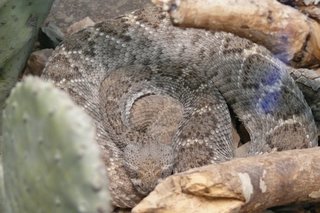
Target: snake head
(146,164)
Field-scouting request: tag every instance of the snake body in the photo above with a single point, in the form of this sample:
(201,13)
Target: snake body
(159,96)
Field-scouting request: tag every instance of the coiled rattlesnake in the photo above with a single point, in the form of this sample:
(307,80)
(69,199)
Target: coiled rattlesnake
(158,95)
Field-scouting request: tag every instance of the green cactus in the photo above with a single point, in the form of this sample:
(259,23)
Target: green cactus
(2,2)
(19,24)
(1,188)
(51,162)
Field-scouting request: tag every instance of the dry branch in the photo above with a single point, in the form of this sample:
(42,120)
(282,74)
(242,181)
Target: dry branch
(309,7)
(300,2)
(240,185)
(312,11)
(288,33)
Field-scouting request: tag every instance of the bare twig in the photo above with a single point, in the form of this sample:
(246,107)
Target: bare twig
(240,185)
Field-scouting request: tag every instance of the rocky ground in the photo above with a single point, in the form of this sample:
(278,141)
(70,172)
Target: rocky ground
(69,16)
(66,12)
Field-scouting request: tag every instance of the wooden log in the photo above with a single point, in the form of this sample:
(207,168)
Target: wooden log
(289,34)
(300,2)
(312,11)
(309,7)
(241,185)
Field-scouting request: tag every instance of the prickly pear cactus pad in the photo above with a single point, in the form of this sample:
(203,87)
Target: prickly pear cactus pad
(1,189)
(50,160)
(2,2)
(19,24)
(19,21)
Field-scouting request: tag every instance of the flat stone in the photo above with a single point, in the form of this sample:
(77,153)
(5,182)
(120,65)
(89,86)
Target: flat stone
(66,12)
(37,62)
(82,24)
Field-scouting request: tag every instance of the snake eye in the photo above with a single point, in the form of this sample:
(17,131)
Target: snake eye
(132,173)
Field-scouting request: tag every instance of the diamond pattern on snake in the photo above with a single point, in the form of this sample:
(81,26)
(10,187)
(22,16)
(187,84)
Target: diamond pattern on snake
(160,95)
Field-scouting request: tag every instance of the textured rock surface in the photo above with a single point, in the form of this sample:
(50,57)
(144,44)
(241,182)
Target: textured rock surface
(80,25)
(66,12)
(37,61)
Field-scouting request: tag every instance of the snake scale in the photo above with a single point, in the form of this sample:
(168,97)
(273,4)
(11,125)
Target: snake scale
(160,95)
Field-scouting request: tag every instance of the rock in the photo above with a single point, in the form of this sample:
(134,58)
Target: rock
(235,137)
(64,13)
(50,36)
(37,62)
(82,24)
